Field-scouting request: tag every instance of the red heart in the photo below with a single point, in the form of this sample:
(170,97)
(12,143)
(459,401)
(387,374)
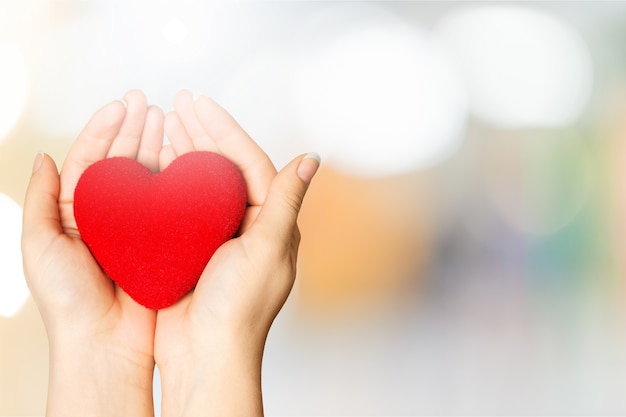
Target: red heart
(153,234)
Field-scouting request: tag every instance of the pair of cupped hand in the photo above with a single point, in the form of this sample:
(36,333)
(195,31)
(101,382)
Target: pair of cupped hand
(240,291)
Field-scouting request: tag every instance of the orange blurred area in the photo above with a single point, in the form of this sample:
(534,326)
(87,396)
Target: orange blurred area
(365,241)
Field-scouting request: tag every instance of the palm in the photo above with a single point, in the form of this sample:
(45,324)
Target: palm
(220,292)
(81,289)
(210,344)
(215,300)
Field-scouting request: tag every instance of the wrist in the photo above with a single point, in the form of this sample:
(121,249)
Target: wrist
(89,377)
(219,377)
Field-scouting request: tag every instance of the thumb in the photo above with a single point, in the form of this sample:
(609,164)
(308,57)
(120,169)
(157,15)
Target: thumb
(41,210)
(284,199)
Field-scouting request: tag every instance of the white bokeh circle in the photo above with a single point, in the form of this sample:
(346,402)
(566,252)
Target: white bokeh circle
(78,72)
(256,94)
(375,95)
(524,67)
(13,85)
(13,288)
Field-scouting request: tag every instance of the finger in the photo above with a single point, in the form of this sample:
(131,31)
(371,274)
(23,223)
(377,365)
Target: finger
(176,133)
(235,144)
(127,141)
(278,216)
(151,139)
(92,145)
(166,156)
(248,219)
(41,219)
(184,105)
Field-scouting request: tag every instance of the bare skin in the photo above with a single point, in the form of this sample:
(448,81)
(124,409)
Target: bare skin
(100,339)
(209,345)
(212,341)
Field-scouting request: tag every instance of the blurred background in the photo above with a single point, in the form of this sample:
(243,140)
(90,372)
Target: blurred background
(463,241)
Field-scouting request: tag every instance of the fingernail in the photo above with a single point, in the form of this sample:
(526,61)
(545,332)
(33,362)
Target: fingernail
(124,102)
(38,161)
(308,166)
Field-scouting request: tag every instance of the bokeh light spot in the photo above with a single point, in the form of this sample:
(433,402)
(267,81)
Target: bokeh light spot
(75,57)
(543,182)
(175,32)
(375,95)
(245,94)
(524,67)
(13,288)
(366,241)
(13,85)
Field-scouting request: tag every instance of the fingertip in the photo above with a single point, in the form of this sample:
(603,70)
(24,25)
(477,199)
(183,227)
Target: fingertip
(42,162)
(308,166)
(106,118)
(39,158)
(283,202)
(183,92)
(40,203)
(171,120)
(166,156)
(135,95)
(181,97)
(205,104)
(177,134)
(152,137)
(155,116)
(172,125)
(155,110)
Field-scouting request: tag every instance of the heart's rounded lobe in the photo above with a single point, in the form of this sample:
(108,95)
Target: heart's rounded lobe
(153,234)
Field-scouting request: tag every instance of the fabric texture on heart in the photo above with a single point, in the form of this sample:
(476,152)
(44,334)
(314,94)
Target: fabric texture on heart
(153,234)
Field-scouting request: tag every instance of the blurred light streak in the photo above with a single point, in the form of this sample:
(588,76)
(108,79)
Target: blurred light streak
(13,85)
(13,288)
(375,95)
(524,67)
(541,180)
(366,241)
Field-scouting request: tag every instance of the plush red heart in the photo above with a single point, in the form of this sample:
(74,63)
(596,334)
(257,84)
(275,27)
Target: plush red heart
(153,234)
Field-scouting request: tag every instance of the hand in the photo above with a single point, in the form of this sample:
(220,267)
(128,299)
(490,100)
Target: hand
(209,345)
(101,341)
